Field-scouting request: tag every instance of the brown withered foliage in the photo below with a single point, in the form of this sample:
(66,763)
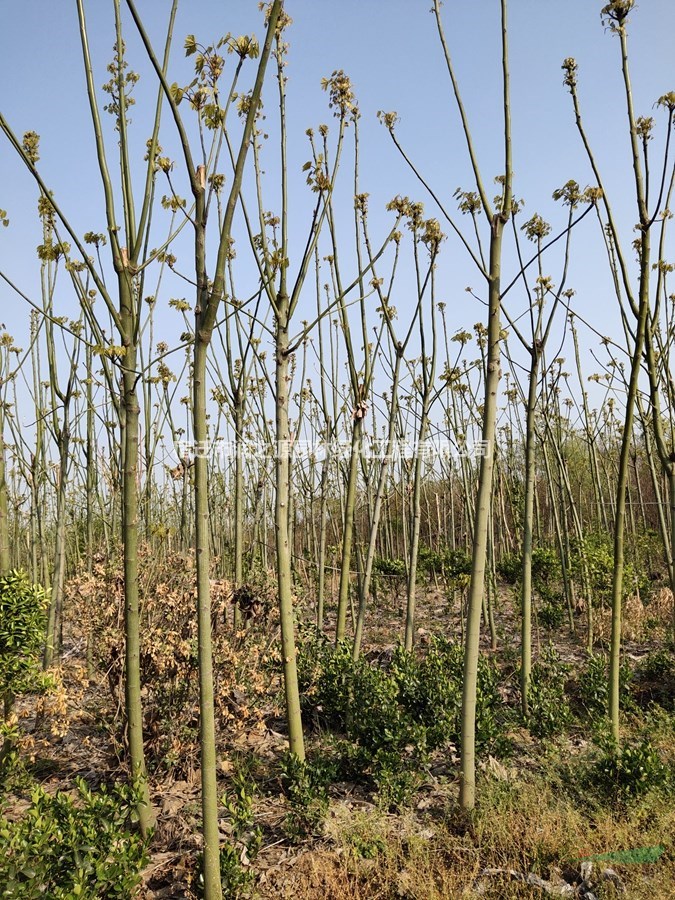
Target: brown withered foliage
(245,674)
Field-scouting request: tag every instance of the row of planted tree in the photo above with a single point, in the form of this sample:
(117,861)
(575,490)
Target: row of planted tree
(370,444)
(438,492)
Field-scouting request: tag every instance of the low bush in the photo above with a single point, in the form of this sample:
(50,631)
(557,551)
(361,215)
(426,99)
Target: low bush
(392,568)
(239,852)
(630,771)
(591,686)
(23,619)
(510,567)
(396,714)
(549,711)
(305,783)
(23,608)
(546,574)
(659,664)
(654,680)
(596,556)
(453,564)
(552,614)
(65,847)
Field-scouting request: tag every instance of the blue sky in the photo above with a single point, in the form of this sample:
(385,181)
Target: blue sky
(391,51)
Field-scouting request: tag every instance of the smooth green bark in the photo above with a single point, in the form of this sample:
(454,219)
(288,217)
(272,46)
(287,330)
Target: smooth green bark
(284,570)
(497,221)
(528,518)
(5,558)
(467,784)
(348,525)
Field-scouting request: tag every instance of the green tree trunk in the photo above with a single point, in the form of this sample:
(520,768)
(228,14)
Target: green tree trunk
(528,517)
(207,725)
(5,559)
(54,620)
(284,572)
(238,500)
(467,786)
(621,486)
(348,526)
(130,440)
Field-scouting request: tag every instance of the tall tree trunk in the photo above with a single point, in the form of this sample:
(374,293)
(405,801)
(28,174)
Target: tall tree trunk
(621,487)
(348,525)
(481,525)
(238,501)
(132,686)
(284,572)
(528,516)
(53,641)
(5,558)
(207,725)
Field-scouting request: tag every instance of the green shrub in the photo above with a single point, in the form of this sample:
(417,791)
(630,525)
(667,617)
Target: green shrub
(429,561)
(629,771)
(654,680)
(552,614)
(546,574)
(592,685)
(394,715)
(23,608)
(305,783)
(64,848)
(549,710)
(22,632)
(393,568)
(510,567)
(377,719)
(325,674)
(452,564)
(244,841)
(599,554)
(659,664)
(456,563)
(388,574)
(410,701)
(10,757)
(396,780)
(430,690)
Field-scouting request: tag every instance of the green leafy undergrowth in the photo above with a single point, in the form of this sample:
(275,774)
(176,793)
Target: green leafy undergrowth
(238,853)
(23,619)
(66,847)
(22,629)
(591,686)
(630,771)
(548,708)
(654,680)
(305,784)
(396,713)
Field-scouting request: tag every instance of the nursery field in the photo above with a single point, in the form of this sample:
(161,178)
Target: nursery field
(373,811)
(337,450)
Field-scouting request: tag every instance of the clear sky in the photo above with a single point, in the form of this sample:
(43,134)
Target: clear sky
(391,51)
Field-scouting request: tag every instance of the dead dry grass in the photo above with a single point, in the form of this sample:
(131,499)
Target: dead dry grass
(523,826)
